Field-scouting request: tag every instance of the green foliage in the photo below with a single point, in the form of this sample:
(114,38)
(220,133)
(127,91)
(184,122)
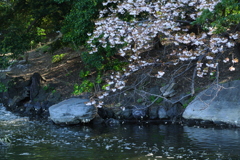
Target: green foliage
(98,79)
(188,101)
(41,31)
(105,86)
(85,86)
(4,62)
(103,59)
(45,88)
(213,76)
(44,48)
(128,18)
(49,88)
(3,88)
(54,91)
(140,100)
(54,46)
(25,23)
(58,57)
(84,74)
(153,98)
(15,42)
(80,20)
(68,73)
(92,61)
(225,15)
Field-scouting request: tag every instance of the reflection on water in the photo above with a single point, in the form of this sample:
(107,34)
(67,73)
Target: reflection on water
(43,140)
(227,140)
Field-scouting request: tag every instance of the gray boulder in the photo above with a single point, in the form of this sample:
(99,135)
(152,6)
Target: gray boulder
(162,113)
(153,112)
(139,112)
(72,111)
(218,103)
(123,113)
(169,110)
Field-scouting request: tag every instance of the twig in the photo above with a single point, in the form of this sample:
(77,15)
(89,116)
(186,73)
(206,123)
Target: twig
(217,74)
(187,68)
(159,96)
(193,80)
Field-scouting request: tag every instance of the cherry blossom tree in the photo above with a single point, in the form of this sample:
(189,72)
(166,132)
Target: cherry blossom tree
(168,20)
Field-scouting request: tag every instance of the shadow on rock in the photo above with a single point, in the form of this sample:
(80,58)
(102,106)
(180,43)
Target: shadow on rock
(28,97)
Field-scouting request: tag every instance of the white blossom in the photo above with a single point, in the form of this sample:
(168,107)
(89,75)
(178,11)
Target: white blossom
(232,68)
(209,57)
(107,88)
(101,97)
(229,44)
(234,36)
(200,74)
(137,35)
(226,60)
(160,74)
(88,103)
(105,94)
(235,60)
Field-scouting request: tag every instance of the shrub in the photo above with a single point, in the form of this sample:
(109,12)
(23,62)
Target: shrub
(225,15)
(80,20)
(3,88)
(58,57)
(85,86)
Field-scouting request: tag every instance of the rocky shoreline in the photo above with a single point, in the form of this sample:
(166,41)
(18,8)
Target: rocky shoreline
(32,97)
(36,100)
(27,97)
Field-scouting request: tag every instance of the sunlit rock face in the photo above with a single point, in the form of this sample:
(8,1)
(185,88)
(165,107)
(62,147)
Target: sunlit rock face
(72,111)
(218,103)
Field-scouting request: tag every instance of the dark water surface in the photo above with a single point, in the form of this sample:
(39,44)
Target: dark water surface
(43,140)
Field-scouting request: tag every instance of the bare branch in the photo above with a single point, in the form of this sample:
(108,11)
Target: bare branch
(193,80)
(159,96)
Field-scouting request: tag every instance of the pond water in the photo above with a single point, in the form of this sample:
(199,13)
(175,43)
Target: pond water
(44,140)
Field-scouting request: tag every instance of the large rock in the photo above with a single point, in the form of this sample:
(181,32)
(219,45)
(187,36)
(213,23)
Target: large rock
(72,111)
(123,113)
(139,111)
(169,110)
(153,112)
(218,103)
(162,113)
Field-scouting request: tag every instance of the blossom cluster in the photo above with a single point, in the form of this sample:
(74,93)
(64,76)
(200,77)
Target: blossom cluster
(162,17)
